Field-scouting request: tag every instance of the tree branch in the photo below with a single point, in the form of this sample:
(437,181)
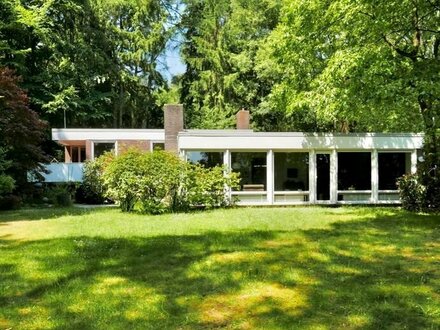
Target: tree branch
(412,55)
(436,47)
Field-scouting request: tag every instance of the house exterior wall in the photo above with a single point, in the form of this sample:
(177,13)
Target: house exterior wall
(331,144)
(230,141)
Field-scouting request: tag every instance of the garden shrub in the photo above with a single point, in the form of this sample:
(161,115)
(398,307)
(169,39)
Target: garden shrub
(61,194)
(10,202)
(161,182)
(92,190)
(206,186)
(412,192)
(421,191)
(7,184)
(147,180)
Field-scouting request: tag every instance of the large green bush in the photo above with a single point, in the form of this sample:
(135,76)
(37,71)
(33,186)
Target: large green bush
(7,184)
(421,191)
(161,182)
(412,192)
(92,190)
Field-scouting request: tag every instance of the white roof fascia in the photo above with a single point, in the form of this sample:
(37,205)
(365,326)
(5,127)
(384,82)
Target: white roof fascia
(78,134)
(199,140)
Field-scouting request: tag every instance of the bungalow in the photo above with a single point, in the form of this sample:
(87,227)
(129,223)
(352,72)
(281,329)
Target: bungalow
(275,168)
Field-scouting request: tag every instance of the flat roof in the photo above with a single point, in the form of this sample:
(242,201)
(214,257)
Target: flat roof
(250,133)
(107,134)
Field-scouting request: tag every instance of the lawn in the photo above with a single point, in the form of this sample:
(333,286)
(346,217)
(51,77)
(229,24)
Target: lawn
(244,268)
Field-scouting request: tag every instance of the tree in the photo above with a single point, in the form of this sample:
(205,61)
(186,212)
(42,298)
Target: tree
(21,131)
(139,31)
(357,65)
(221,39)
(361,65)
(89,62)
(7,183)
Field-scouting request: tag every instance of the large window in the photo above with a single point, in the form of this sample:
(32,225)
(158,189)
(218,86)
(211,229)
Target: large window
(291,171)
(252,169)
(204,158)
(100,148)
(77,154)
(354,171)
(391,167)
(158,146)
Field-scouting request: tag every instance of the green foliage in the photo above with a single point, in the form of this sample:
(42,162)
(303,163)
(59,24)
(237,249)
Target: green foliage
(10,202)
(7,184)
(355,66)
(205,187)
(92,189)
(161,182)
(412,192)
(421,191)
(21,130)
(94,62)
(60,194)
(221,42)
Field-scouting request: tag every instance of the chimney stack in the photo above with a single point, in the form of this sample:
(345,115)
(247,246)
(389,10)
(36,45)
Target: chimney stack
(243,121)
(173,124)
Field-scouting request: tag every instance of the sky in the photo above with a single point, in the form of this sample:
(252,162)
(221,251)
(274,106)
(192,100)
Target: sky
(172,61)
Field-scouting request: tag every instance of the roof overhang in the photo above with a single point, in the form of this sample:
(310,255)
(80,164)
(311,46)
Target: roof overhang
(248,140)
(64,135)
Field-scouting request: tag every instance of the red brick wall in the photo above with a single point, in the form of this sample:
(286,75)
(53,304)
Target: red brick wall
(88,149)
(67,156)
(173,122)
(243,119)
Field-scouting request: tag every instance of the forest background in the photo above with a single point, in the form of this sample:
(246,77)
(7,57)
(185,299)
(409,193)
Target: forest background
(305,65)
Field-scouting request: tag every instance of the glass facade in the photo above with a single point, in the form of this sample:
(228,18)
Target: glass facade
(252,168)
(158,146)
(392,165)
(291,171)
(100,148)
(77,154)
(354,171)
(322,177)
(205,158)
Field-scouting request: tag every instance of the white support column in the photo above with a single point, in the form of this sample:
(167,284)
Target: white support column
(333,177)
(227,164)
(414,161)
(312,176)
(227,159)
(374,176)
(92,148)
(270,176)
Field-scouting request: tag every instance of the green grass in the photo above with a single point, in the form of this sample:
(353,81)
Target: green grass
(244,268)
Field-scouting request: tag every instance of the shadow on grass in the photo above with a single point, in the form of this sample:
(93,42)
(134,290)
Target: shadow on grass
(381,273)
(32,214)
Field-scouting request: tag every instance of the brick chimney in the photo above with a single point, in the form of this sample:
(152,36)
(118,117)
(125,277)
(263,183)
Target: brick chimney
(173,124)
(243,121)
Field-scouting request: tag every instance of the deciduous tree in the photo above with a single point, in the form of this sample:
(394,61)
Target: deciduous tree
(357,65)
(21,131)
